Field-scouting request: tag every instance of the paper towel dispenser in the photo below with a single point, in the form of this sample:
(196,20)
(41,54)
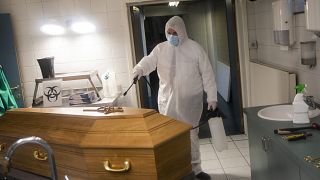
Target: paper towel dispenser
(312,14)
(283,23)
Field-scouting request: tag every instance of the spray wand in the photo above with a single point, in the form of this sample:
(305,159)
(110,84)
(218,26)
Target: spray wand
(135,79)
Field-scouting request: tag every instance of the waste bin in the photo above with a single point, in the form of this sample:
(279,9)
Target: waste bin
(47,67)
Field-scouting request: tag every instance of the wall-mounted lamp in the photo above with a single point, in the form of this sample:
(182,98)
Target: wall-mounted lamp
(52,29)
(81,27)
(173,3)
(308,53)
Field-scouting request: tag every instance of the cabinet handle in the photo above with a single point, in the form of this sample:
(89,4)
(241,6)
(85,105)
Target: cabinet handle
(267,142)
(15,88)
(41,156)
(2,146)
(263,142)
(108,167)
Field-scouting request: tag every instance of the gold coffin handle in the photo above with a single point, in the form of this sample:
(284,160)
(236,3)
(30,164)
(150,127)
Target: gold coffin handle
(41,156)
(2,146)
(108,167)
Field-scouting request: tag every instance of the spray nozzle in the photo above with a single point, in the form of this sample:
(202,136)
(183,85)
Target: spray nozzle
(300,88)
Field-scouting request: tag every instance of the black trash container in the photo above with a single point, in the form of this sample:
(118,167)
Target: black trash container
(47,67)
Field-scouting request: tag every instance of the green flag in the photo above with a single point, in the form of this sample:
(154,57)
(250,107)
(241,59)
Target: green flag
(7,100)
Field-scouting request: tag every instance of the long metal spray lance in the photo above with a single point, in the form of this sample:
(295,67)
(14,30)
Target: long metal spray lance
(134,82)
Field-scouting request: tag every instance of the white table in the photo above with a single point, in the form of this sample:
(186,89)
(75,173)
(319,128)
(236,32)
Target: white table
(70,77)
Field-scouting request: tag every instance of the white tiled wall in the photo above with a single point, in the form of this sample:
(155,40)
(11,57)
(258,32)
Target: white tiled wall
(260,26)
(105,50)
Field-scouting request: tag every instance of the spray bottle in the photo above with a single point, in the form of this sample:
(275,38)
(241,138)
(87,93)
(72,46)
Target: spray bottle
(300,108)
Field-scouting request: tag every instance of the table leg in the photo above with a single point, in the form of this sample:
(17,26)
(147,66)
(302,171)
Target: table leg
(99,79)
(35,94)
(94,87)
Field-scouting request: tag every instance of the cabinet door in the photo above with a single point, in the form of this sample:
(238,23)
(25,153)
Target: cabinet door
(304,176)
(280,165)
(258,156)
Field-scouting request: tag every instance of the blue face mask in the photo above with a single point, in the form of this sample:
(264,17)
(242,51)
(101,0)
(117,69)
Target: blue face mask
(174,40)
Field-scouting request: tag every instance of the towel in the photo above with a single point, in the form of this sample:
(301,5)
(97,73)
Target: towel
(7,100)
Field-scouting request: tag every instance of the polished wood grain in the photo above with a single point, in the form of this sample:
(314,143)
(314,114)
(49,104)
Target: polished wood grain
(157,146)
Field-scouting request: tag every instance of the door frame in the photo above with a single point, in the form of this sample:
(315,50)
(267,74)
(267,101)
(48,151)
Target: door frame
(235,73)
(234,54)
(136,96)
(243,44)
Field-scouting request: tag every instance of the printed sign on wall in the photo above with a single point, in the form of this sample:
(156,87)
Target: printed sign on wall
(52,95)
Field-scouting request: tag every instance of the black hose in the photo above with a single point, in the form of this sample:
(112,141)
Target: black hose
(152,90)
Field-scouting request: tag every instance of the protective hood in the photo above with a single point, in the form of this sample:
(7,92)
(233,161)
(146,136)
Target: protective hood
(178,25)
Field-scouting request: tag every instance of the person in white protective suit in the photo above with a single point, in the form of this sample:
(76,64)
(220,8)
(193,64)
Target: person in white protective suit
(184,72)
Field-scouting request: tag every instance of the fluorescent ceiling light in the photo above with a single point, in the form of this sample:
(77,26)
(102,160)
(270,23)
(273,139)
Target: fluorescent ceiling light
(174,3)
(83,27)
(52,29)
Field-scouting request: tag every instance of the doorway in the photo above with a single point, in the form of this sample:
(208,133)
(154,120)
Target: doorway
(212,25)
(8,58)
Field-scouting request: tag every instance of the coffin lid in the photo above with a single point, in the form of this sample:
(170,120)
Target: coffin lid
(133,128)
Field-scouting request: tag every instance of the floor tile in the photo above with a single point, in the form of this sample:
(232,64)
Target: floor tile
(242,143)
(244,151)
(228,139)
(210,164)
(204,141)
(206,147)
(233,162)
(216,174)
(208,155)
(230,164)
(238,172)
(230,153)
(231,145)
(239,137)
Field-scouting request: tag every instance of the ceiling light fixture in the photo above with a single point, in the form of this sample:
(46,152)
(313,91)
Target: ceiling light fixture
(52,29)
(83,27)
(174,3)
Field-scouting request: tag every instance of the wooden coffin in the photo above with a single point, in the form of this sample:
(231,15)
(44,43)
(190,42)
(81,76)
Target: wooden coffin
(156,146)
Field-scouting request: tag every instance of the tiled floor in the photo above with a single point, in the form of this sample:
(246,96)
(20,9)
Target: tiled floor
(233,163)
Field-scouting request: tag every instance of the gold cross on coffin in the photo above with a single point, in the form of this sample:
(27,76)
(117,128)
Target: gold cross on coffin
(106,109)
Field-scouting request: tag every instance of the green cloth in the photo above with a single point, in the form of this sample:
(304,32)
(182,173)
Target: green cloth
(7,100)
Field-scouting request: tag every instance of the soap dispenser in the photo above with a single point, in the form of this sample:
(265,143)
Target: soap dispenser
(300,108)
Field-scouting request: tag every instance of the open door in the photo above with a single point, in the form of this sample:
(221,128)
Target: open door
(8,58)
(212,25)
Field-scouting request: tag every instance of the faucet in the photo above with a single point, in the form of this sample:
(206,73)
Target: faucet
(5,162)
(311,102)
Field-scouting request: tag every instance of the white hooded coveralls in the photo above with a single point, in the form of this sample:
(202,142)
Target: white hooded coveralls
(184,72)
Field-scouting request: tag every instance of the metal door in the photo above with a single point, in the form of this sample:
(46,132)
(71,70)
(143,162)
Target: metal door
(8,58)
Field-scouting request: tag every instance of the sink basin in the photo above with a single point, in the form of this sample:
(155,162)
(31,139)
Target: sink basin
(277,113)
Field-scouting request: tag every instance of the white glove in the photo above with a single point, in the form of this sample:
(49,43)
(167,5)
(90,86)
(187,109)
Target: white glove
(212,105)
(137,73)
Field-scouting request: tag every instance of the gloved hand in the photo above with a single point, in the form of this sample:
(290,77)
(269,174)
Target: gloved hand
(137,73)
(212,105)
